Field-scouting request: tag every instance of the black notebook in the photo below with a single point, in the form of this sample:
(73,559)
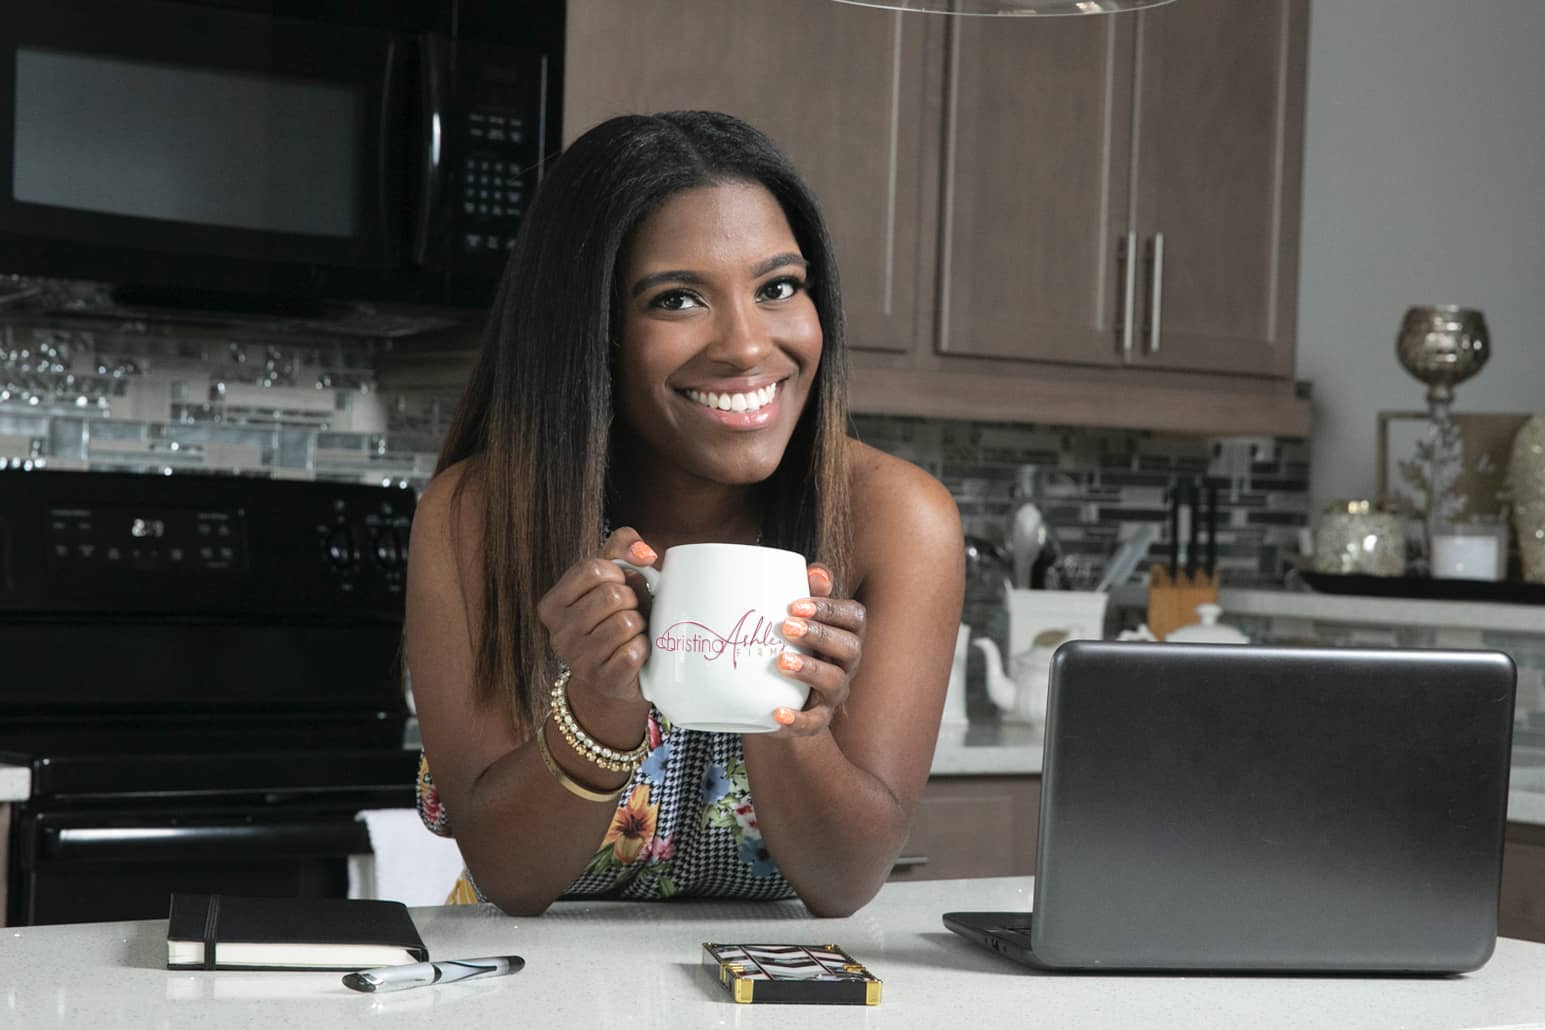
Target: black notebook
(219,931)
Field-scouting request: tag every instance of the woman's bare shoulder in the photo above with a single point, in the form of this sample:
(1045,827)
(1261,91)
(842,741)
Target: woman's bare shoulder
(448,521)
(898,505)
(450,490)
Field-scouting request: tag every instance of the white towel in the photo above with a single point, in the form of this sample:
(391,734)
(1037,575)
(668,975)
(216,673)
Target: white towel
(409,864)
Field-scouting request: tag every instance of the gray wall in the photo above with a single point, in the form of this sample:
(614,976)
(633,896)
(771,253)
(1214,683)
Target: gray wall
(1424,182)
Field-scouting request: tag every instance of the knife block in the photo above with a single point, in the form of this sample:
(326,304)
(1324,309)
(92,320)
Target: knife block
(1172,601)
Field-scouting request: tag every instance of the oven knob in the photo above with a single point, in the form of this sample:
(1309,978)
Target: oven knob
(386,550)
(340,548)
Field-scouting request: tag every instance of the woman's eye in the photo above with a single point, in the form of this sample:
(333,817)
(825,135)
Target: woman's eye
(675,300)
(782,289)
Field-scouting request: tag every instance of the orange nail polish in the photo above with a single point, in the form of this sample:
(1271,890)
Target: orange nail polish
(823,576)
(788,661)
(642,553)
(795,627)
(805,608)
(785,716)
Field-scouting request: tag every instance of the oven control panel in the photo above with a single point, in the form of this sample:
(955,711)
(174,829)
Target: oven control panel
(146,538)
(201,545)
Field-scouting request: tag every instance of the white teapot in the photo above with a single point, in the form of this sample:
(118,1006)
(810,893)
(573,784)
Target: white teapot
(1020,692)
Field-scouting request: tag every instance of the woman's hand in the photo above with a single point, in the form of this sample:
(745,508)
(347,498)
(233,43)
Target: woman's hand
(833,632)
(593,619)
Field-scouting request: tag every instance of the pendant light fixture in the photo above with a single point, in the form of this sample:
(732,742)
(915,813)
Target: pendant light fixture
(1020,8)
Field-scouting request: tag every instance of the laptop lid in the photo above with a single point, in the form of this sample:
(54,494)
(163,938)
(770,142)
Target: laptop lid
(1229,807)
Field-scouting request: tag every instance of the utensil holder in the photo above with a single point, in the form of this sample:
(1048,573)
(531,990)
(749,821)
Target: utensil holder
(1172,601)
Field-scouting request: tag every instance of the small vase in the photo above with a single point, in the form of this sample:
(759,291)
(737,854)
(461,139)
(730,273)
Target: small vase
(1354,538)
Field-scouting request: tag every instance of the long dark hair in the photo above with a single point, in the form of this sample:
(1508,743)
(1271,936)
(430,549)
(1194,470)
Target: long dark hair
(538,410)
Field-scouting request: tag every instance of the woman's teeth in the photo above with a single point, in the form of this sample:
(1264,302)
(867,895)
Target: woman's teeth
(735,401)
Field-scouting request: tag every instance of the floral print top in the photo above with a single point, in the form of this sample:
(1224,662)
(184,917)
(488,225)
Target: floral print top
(684,826)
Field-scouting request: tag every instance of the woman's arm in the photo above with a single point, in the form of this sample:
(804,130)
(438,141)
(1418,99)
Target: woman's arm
(835,806)
(524,837)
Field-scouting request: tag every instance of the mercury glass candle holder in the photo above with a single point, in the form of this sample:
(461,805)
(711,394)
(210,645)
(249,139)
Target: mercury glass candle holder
(1442,345)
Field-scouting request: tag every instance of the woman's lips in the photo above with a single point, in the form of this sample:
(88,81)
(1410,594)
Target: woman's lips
(748,409)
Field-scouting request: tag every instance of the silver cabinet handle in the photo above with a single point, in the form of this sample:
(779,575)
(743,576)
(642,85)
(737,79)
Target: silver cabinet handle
(909,862)
(1126,267)
(1156,293)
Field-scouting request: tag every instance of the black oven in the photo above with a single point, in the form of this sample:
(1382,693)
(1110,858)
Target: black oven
(202,675)
(252,149)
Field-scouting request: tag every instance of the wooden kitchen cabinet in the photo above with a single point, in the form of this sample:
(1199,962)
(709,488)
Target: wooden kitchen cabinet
(968,826)
(982,175)
(1124,190)
(1217,160)
(1522,909)
(851,94)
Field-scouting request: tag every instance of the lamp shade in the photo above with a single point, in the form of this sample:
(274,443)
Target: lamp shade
(1020,8)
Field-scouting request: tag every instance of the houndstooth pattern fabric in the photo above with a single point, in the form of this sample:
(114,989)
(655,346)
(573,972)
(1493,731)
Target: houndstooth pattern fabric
(684,827)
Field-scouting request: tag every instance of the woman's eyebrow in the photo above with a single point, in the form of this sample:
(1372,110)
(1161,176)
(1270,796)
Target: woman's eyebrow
(681,275)
(778,261)
(676,276)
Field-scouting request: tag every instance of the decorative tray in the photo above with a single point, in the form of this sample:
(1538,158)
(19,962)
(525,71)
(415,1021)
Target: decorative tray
(1426,588)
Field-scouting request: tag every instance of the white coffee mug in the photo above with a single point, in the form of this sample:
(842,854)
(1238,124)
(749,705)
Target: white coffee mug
(715,633)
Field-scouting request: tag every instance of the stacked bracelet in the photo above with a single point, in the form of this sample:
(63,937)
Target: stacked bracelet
(588,747)
(566,781)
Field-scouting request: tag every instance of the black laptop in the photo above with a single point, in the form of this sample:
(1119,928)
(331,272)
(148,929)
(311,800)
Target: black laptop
(1241,808)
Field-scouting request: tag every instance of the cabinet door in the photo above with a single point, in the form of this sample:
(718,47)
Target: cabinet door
(969,826)
(1217,157)
(1035,187)
(848,92)
(1521,908)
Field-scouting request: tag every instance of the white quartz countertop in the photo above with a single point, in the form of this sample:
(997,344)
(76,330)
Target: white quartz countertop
(987,749)
(636,964)
(1349,608)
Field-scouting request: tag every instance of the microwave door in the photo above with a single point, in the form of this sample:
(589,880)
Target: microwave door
(196,146)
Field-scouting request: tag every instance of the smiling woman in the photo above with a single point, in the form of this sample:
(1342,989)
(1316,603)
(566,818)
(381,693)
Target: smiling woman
(666,357)
(721,343)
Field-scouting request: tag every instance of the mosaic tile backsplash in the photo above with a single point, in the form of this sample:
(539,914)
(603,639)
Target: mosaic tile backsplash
(160,399)
(129,395)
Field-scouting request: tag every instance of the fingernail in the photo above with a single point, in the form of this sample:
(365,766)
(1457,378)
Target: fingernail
(642,553)
(785,716)
(788,661)
(795,627)
(805,608)
(822,575)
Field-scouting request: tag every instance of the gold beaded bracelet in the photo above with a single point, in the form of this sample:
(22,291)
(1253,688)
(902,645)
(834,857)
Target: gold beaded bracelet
(589,748)
(566,781)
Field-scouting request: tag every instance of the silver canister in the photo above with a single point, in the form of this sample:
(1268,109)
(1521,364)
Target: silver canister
(1354,537)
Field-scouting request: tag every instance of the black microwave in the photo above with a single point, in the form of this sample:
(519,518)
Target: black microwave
(275,151)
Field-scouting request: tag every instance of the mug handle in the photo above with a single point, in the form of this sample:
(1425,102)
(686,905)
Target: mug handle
(649,572)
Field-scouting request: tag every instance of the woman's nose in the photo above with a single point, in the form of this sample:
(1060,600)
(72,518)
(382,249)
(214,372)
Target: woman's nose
(742,337)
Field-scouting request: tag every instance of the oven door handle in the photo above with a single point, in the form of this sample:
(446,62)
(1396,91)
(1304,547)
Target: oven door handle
(324,837)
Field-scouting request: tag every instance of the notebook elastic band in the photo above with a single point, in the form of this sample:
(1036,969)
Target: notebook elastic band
(211,930)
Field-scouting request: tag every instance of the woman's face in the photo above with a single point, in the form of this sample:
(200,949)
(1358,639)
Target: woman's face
(720,337)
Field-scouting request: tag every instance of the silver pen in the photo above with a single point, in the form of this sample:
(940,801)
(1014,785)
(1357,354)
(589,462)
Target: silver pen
(422,974)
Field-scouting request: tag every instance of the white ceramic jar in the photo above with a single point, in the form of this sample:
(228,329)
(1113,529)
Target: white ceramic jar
(1207,631)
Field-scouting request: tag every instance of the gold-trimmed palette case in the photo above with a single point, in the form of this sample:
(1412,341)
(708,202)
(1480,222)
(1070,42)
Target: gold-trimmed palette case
(791,974)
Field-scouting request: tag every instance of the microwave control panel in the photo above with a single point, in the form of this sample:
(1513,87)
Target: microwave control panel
(498,139)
